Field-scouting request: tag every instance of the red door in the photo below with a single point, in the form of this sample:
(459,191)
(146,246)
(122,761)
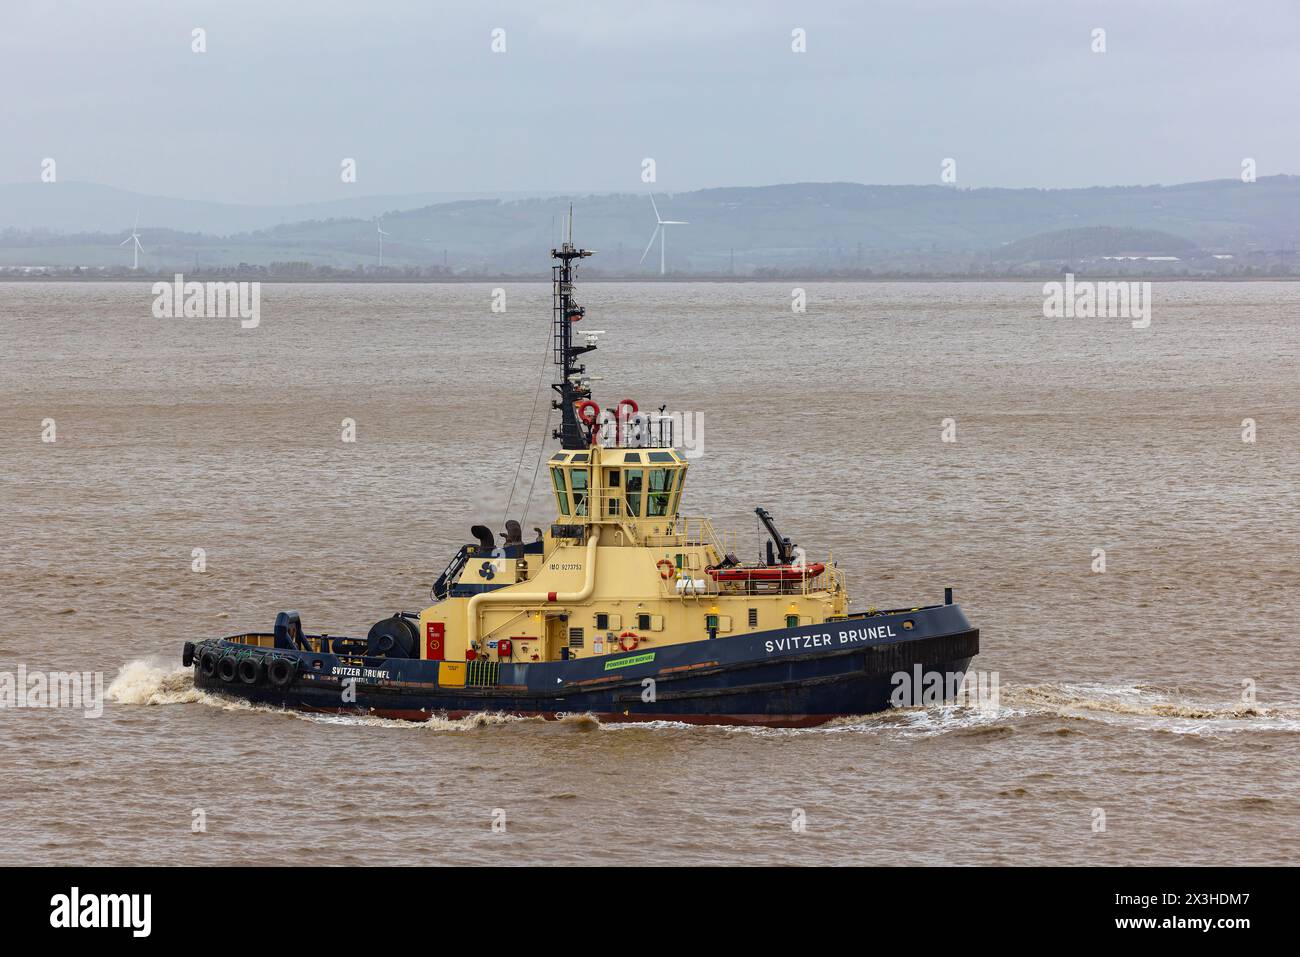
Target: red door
(434,646)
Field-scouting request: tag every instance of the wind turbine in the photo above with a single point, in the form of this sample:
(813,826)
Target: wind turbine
(382,234)
(661,233)
(137,248)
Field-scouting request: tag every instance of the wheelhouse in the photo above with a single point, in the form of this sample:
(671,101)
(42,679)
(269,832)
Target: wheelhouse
(618,483)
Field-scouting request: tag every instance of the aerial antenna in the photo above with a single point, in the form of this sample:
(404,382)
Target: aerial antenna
(564,312)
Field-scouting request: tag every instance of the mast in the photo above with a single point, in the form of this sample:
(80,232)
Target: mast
(564,312)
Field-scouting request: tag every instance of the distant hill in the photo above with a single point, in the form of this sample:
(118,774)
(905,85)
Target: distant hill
(72,207)
(819,227)
(1094,242)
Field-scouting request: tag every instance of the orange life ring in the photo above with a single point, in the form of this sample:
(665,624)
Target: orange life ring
(588,411)
(625,638)
(666,568)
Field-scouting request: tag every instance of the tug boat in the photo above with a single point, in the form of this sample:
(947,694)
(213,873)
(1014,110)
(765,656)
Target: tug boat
(623,608)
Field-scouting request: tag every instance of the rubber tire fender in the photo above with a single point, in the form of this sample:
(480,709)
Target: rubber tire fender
(250,670)
(228,668)
(281,672)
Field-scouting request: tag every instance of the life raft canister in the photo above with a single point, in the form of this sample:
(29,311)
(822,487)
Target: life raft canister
(628,641)
(666,568)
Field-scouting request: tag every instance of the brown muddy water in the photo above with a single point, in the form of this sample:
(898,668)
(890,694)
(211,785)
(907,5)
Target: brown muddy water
(1126,693)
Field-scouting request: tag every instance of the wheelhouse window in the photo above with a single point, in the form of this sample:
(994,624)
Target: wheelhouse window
(561,493)
(633,491)
(661,488)
(578,483)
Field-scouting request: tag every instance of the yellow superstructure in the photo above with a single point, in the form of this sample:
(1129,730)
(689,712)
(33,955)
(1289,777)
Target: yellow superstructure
(620,569)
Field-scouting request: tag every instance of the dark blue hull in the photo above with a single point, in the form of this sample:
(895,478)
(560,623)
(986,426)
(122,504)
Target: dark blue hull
(787,678)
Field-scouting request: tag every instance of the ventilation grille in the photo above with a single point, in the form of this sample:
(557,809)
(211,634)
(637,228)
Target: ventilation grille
(575,638)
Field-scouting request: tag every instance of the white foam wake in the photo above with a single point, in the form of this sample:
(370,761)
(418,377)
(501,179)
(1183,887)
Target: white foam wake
(1140,707)
(1137,707)
(1148,707)
(150,681)
(153,681)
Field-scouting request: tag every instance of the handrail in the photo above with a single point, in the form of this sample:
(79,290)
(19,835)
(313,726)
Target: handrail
(521,613)
(509,596)
(693,530)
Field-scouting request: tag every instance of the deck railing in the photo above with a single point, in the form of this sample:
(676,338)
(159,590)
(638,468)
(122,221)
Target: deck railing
(692,530)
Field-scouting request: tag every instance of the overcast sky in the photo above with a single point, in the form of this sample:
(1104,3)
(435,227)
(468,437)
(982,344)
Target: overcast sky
(712,91)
